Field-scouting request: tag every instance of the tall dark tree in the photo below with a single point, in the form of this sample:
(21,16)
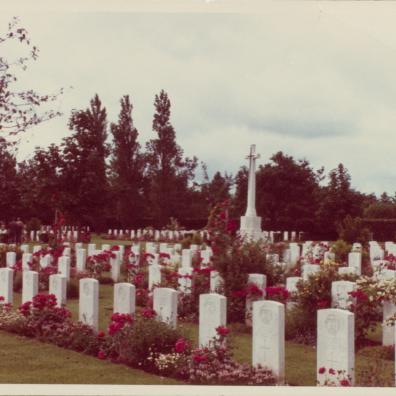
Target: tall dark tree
(218,189)
(40,183)
(168,172)
(84,171)
(126,168)
(287,193)
(9,194)
(337,200)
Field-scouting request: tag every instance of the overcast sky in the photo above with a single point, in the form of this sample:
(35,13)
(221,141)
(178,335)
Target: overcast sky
(315,80)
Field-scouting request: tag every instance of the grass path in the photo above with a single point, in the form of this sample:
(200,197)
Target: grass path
(28,361)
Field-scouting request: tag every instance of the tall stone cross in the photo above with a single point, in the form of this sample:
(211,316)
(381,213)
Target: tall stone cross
(251,198)
(251,223)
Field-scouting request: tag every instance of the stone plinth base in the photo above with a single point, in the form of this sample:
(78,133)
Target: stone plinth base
(251,227)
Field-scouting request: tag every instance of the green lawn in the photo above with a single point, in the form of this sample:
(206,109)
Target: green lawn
(28,361)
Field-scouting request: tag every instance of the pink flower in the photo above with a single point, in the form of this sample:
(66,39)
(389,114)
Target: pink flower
(148,313)
(101,355)
(180,345)
(345,382)
(222,330)
(322,370)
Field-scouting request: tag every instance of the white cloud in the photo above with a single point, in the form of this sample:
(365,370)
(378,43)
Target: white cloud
(307,79)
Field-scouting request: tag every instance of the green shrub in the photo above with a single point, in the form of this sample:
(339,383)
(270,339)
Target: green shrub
(341,250)
(353,230)
(134,344)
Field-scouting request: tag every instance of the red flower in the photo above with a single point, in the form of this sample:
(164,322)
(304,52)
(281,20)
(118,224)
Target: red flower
(345,382)
(2,298)
(359,295)
(148,313)
(164,255)
(101,355)
(222,330)
(101,334)
(180,345)
(115,247)
(332,371)
(253,289)
(322,370)
(199,356)
(322,304)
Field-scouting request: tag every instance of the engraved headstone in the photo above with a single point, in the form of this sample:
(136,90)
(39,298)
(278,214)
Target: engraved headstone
(57,286)
(154,275)
(124,298)
(388,333)
(216,282)
(64,267)
(355,261)
(6,283)
(165,305)
(335,343)
(186,258)
(89,302)
(340,294)
(81,258)
(269,337)
(26,259)
(184,280)
(29,285)
(212,314)
(10,259)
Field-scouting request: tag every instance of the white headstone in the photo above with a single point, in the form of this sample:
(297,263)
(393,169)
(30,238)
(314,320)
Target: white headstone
(269,337)
(26,258)
(36,248)
(105,246)
(91,248)
(347,271)
(388,333)
(216,282)
(154,275)
(124,298)
(340,297)
(328,257)
(185,281)
(89,302)
(66,251)
(45,261)
(309,269)
(81,258)
(6,284)
(294,253)
(64,267)
(57,286)
(10,259)
(165,305)
(186,258)
(29,285)
(212,314)
(115,266)
(25,248)
(355,261)
(335,343)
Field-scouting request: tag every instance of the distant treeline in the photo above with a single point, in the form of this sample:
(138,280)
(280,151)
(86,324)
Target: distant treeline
(101,176)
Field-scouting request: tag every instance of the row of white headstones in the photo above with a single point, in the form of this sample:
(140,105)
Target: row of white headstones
(340,289)
(335,342)
(340,296)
